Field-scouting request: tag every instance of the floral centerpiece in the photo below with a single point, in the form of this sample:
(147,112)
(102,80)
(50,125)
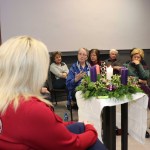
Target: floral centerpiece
(104,88)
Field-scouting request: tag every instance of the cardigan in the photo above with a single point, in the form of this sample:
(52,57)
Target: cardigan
(35,126)
(57,70)
(141,71)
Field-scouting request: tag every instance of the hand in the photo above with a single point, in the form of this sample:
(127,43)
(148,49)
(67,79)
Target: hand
(117,68)
(87,122)
(136,62)
(143,81)
(44,90)
(79,76)
(64,75)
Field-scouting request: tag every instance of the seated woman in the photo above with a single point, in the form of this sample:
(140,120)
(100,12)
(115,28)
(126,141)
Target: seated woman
(94,59)
(142,61)
(27,121)
(138,68)
(59,70)
(76,73)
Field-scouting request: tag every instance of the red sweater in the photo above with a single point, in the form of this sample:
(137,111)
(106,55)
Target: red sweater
(34,126)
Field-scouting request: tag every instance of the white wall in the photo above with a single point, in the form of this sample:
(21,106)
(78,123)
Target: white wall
(70,24)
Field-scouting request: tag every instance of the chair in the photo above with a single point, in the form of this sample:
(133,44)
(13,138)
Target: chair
(57,93)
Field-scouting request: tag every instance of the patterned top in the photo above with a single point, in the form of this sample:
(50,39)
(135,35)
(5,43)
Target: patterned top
(70,81)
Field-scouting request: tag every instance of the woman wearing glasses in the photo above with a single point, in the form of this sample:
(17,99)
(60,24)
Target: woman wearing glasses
(77,71)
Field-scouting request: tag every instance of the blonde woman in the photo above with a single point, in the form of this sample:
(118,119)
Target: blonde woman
(26,120)
(137,68)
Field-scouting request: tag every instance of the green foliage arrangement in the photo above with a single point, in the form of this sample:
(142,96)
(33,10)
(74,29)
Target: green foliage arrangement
(103,88)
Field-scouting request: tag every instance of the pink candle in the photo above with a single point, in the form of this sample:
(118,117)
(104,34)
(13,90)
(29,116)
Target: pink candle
(97,69)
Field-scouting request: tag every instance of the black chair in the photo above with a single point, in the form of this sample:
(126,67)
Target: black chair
(57,93)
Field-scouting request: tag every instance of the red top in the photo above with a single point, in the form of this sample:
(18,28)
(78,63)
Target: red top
(34,126)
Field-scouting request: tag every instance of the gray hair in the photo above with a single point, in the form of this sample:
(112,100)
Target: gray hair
(113,50)
(87,51)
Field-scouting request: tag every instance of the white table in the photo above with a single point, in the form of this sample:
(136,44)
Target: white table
(135,122)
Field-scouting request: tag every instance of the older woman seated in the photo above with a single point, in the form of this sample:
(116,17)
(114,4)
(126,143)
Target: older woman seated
(138,68)
(76,73)
(60,71)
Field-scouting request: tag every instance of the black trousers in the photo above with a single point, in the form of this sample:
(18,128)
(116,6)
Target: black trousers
(59,83)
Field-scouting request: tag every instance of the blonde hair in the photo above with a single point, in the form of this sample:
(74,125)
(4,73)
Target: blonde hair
(24,64)
(138,51)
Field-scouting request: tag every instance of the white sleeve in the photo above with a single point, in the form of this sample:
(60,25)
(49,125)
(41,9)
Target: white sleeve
(55,70)
(66,68)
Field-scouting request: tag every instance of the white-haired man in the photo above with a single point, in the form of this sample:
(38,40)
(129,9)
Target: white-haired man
(114,61)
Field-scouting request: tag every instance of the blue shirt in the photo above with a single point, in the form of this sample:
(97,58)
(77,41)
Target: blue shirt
(70,81)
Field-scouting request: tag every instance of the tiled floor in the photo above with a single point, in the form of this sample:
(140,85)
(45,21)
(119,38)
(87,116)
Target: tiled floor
(133,144)
(60,109)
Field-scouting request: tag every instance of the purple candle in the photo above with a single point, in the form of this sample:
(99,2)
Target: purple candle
(124,76)
(93,74)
